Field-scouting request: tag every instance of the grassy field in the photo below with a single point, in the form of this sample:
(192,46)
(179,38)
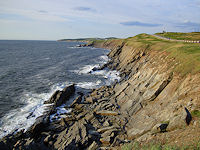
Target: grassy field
(181,36)
(187,55)
(158,146)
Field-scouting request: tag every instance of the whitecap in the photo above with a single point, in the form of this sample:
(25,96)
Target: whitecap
(61,112)
(86,69)
(110,75)
(89,85)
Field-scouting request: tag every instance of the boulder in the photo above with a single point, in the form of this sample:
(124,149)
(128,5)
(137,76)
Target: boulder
(161,127)
(60,97)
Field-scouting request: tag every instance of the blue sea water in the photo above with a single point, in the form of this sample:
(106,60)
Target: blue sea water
(31,71)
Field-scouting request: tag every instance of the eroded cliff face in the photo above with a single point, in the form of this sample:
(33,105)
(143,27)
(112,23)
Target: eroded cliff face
(151,93)
(152,102)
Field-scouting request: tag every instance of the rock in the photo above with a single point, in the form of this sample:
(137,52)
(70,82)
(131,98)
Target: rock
(95,69)
(47,139)
(107,137)
(74,137)
(60,97)
(177,122)
(108,133)
(81,115)
(93,132)
(90,99)
(103,66)
(62,122)
(107,113)
(188,116)
(161,127)
(39,126)
(106,124)
(76,101)
(105,141)
(101,130)
(3,146)
(89,117)
(93,146)
(134,133)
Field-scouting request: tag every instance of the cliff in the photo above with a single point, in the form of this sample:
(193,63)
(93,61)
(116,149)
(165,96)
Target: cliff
(157,100)
(160,79)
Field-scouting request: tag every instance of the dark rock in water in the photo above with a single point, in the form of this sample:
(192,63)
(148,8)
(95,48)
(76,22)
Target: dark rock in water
(188,116)
(80,93)
(103,66)
(163,127)
(99,68)
(60,97)
(95,69)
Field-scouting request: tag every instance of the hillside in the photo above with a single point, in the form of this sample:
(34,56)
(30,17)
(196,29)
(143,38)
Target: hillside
(193,36)
(156,104)
(85,39)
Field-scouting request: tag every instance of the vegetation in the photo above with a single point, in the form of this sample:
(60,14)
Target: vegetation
(186,55)
(158,146)
(196,113)
(181,36)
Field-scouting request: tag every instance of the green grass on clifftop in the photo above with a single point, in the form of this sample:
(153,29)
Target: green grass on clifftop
(181,36)
(158,146)
(186,55)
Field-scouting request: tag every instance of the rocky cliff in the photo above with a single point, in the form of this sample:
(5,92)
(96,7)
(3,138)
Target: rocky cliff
(157,99)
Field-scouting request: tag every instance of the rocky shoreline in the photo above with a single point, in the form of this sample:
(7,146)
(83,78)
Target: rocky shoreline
(145,105)
(44,134)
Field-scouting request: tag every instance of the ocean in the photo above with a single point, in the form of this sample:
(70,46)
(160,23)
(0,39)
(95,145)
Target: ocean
(31,71)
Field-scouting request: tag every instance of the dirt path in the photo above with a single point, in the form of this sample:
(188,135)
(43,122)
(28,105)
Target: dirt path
(164,38)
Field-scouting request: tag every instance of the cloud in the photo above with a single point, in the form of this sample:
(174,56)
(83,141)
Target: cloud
(43,11)
(84,9)
(188,24)
(141,24)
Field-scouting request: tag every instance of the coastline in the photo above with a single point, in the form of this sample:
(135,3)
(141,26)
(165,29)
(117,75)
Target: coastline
(149,95)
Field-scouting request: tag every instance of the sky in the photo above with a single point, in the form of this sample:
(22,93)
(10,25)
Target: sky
(58,19)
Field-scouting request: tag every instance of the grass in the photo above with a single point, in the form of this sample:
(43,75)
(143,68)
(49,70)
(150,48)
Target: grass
(186,55)
(158,146)
(181,36)
(195,113)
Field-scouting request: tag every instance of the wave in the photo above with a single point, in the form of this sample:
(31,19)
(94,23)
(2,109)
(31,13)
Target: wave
(89,85)
(61,112)
(24,117)
(86,69)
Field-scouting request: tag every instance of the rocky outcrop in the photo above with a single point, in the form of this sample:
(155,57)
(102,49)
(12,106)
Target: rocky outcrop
(60,97)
